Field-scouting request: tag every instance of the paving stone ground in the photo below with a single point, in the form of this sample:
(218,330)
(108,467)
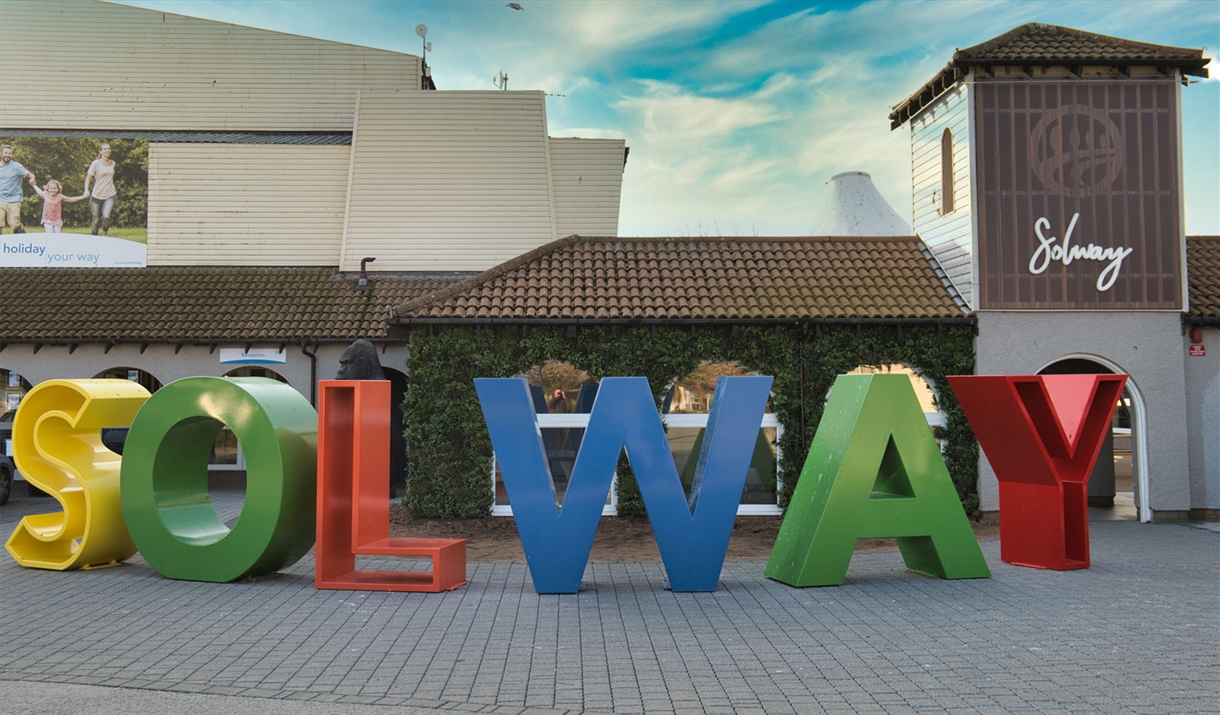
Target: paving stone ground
(1139,632)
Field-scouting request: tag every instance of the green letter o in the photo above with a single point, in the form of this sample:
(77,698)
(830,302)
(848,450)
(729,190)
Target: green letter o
(164,482)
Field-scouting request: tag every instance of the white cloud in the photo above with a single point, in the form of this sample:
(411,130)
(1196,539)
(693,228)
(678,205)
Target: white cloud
(828,81)
(619,26)
(666,111)
(745,172)
(707,165)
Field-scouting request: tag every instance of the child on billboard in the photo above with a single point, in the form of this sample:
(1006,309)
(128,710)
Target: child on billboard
(53,200)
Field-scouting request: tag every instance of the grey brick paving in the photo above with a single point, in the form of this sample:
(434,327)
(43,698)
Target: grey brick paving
(1139,632)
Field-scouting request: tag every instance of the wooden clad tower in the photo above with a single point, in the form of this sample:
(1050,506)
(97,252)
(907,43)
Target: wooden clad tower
(1047,170)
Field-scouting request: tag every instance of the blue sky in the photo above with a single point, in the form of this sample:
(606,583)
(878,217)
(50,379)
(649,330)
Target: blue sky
(737,113)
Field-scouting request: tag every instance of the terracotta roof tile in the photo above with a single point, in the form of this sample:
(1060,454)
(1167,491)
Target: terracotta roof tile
(199,304)
(700,279)
(1203,275)
(1039,41)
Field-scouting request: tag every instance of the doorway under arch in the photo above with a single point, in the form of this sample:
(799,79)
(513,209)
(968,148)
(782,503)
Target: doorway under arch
(12,389)
(148,380)
(256,371)
(398,440)
(1132,403)
(227,453)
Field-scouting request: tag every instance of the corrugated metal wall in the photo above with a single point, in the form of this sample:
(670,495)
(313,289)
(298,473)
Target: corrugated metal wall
(80,64)
(448,181)
(947,235)
(246,204)
(587,175)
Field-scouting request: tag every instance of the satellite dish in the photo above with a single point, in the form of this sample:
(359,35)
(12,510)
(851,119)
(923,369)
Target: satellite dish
(500,80)
(421,30)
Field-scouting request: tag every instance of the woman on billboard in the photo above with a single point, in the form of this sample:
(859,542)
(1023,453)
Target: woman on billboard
(101,200)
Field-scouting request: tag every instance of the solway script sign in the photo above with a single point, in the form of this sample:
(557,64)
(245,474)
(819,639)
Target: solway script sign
(1079,195)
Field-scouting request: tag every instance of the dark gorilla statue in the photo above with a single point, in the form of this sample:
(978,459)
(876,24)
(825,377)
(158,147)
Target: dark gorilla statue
(359,362)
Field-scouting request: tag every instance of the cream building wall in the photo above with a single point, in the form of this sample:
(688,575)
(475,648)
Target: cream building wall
(82,64)
(587,176)
(246,204)
(448,181)
(1203,421)
(1146,346)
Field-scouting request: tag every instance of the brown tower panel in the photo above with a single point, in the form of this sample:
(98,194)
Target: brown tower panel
(1098,157)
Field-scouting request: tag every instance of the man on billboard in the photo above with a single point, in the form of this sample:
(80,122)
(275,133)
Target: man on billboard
(11,174)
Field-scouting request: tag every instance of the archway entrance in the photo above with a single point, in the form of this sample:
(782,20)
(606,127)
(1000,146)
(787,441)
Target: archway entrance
(227,454)
(147,379)
(1119,483)
(398,440)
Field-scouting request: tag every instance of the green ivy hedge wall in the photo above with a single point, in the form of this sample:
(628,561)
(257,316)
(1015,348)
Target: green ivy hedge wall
(449,451)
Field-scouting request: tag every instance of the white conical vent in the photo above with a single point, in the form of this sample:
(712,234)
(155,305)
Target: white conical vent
(854,207)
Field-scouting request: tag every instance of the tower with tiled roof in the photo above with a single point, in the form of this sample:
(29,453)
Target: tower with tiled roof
(1047,180)
(1048,123)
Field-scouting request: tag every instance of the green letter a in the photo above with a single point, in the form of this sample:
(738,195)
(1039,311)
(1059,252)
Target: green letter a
(873,471)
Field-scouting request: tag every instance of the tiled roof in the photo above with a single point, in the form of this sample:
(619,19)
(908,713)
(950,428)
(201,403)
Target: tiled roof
(698,279)
(1203,275)
(1040,45)
(199,304)
(1040,42)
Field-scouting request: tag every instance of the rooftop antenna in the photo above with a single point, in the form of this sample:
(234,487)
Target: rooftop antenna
(422,30)
(500,80)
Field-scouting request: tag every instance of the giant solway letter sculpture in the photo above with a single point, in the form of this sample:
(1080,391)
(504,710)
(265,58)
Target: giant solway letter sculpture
(1041,434)
(692,532)
(353,511)
(165,478)
(874,470)
(58,448)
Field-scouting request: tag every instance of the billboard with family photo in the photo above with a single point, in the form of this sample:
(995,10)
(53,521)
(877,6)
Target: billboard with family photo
(73,202)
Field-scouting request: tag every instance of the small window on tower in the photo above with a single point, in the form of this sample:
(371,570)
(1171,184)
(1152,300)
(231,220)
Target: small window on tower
(946,172)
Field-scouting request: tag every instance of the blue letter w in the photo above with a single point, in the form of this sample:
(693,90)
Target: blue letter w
(692,532)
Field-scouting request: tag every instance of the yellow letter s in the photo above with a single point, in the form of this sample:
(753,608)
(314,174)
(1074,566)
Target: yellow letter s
(58,448)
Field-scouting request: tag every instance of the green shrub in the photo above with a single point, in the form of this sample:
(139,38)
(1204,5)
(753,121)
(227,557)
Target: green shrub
(449,451)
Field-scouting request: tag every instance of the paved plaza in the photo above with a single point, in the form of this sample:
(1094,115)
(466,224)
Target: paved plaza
(1139,632)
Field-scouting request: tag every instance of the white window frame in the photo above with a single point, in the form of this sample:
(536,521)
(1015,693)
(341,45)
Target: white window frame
(698,420)
(580,420)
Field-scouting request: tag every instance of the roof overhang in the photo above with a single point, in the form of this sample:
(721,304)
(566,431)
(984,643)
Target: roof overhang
(984,57)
